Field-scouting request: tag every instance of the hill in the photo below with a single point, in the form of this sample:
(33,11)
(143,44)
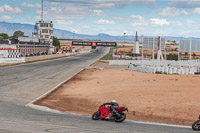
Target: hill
(10,28)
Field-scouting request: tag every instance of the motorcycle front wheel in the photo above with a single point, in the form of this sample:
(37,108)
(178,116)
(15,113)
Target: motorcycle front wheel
(196,125)
(121,119)
(96,116)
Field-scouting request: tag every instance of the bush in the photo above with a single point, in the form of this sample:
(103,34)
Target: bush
(172,57)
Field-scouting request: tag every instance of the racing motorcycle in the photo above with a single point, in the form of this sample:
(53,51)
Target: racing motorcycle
(196,125)
(104,113)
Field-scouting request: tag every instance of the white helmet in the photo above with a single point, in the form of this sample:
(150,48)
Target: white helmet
(113,101)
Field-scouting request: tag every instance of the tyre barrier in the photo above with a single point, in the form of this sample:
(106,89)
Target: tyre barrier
(164,69)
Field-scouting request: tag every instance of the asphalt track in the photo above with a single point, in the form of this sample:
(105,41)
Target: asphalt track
(20,85)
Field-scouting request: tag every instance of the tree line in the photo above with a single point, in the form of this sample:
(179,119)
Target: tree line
(19,33)
(16,34)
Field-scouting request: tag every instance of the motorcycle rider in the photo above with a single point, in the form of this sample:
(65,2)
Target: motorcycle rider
(113,106)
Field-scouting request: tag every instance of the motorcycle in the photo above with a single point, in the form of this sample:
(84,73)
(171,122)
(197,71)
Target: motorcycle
(104,113)
(196,125)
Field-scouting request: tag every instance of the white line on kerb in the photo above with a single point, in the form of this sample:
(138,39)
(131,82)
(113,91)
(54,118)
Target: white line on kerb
(46,109)
(158,124)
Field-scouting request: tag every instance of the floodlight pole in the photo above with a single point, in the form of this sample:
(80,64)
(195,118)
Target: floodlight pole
(124,37)
(190,49)
(142,48)
(71,46)
(179,51)
(153,50)
(116,48)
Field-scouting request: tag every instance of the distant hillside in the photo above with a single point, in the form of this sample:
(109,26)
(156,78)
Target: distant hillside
(10,28)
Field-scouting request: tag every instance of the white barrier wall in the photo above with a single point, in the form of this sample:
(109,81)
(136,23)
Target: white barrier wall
(12,60)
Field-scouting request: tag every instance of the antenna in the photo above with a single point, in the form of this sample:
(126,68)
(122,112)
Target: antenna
(42,10)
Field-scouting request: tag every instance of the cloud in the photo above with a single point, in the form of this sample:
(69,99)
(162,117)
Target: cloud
(36,5)
(189,22)
(103,22)
(196,11)
(118,18)
(177,23)
(172,12)
(39,12)
(5,17)
(7,9)
(185,13)
(136,17)
(160,22)
(184,3)
(105,4)
(66,11)
(86,27)
(138,20)
(64,22)
(98,13)
(78,9)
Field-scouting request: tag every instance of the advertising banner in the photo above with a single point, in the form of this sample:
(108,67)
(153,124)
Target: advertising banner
(107,44)
(152,43)
(82,43)
(3,53)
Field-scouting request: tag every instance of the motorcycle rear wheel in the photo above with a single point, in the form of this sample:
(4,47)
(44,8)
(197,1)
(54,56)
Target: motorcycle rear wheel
(96,116)
(122,118)
(196,125)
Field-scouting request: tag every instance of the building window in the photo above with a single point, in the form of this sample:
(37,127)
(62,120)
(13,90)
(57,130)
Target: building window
(44,25)
(44,31)
(46,36)
(51,31)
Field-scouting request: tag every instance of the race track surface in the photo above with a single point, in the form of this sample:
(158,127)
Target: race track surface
(19,85)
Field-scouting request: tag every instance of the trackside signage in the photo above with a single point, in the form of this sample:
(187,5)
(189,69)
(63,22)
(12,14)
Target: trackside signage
(106,44)
(82,43)
(94,44)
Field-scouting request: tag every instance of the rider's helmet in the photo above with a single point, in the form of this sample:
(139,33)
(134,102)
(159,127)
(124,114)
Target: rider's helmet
(113,101)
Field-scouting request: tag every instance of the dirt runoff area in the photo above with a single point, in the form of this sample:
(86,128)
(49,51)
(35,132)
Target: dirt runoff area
(173,99)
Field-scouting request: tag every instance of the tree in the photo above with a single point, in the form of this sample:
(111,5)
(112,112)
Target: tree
(172,57)
(186,54)
(56,42)
(174,42)
(18,33)
(194,55)
(4,35)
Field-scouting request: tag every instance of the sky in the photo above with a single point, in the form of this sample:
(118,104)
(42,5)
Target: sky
(180,18)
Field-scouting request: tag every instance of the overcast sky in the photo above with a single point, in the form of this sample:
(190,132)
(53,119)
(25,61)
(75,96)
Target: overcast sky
(114,17)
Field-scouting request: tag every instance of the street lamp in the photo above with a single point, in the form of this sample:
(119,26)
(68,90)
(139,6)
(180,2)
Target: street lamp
(124,36)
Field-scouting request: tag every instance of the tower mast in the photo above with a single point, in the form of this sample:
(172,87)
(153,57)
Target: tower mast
(42,10)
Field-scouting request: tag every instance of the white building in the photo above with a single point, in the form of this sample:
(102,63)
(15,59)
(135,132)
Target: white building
(44,31)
